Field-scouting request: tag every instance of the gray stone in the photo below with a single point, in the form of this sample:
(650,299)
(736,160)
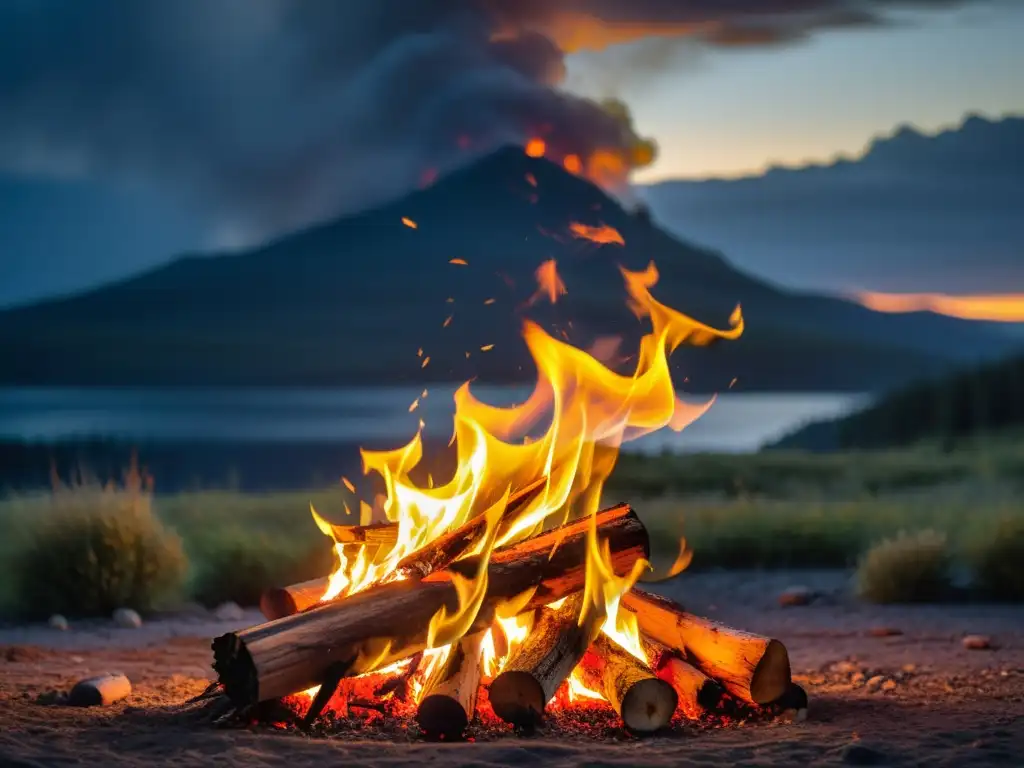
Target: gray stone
(58,622)
(101,691)
(796,595)
(977,642)
(127,618)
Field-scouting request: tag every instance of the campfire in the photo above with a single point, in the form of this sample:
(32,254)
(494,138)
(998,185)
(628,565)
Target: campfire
(506,592)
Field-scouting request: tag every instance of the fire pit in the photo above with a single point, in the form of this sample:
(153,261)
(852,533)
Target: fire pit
(506,594)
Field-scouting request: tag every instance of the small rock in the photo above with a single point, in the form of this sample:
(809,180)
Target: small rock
(885,632)
(127,618)
(58,622)
(859,754)
(889,685)
(228,612)
(100,691)
(977,642)
(858,678)
(796,596)
(910,668)
(77,659)
(875,682)
(845,667)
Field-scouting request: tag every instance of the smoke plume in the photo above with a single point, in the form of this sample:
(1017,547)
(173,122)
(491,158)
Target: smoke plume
(266,115)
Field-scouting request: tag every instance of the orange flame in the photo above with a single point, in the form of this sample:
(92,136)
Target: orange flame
(578,406)
(998,308)
(601,234)
(536,147)
(549,282)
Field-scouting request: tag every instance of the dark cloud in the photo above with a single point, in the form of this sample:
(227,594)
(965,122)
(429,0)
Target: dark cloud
(269,114)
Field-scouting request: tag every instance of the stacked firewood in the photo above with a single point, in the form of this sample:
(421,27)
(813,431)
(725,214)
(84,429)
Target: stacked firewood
(693,664)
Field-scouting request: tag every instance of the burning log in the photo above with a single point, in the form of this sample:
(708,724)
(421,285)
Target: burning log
(542,662)
(698,694)
(644,702)
(450,692)
(278,602)
(751,667)
(391,621)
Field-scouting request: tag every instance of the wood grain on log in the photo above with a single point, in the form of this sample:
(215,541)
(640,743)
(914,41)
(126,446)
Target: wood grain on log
(542,662)
(388,622)
(698,694)
(278,602)
(644,702)
(751,667)
(449,696)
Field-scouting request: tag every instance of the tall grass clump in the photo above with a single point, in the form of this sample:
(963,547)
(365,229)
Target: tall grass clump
(90,549)
(236,564)
(998,561)
(909,568)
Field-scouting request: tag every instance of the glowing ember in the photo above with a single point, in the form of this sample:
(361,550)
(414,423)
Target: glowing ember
(572,164)
(536,147)
(458,262)
(409,223)
(603,234)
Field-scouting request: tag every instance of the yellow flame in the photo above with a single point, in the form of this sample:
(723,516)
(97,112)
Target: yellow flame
(578,690)
(568,431)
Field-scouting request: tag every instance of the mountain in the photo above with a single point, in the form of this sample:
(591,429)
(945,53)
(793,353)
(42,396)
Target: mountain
(914,213)
(352,302)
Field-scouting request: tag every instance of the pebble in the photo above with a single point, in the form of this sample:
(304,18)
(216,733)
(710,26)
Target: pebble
(796,595)
(47,698)
(103,690)
(859,754)
(127,618)
(58,622)
(875,682)
(889,685)
(229,612)
(977,642)
(845,667)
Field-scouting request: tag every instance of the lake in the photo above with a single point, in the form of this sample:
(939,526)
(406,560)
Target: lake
(738,422)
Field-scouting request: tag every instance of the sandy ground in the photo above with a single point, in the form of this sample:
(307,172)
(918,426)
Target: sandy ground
(945,706)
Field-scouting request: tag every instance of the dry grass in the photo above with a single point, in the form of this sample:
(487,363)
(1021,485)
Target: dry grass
(909,568)
(761,511)
(96,548)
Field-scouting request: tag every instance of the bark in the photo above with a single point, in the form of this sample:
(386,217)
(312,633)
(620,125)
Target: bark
(753,668)
(542,663)
(449,695)
(644,702)
(390,621)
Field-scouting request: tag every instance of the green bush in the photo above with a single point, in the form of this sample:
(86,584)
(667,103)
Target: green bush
(237,565)
(909,568)
(93,549)
(998,561)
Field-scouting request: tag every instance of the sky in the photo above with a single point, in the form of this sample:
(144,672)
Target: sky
(133,132)
(727,113)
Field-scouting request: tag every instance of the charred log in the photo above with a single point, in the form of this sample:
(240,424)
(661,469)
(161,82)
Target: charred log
(390,621)
(450,693)
(643,701)
(753,668)
(278,602)
(542,662)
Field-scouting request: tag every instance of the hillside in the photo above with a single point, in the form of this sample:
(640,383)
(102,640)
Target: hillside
(980,401)
(353,300)
(906,216)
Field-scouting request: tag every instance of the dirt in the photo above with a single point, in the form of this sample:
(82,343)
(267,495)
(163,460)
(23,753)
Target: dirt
(887,686)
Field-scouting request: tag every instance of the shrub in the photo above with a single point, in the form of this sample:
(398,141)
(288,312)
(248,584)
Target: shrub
(96,549)
(998,561)
(909,568)
(237,565)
